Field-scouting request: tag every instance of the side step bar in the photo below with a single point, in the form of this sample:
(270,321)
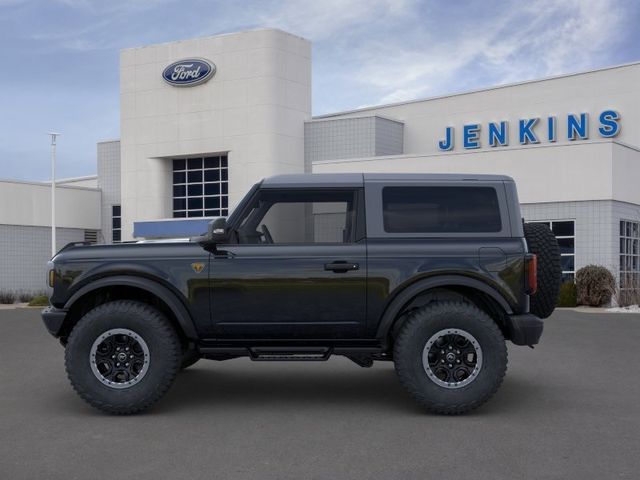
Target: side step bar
(298,354)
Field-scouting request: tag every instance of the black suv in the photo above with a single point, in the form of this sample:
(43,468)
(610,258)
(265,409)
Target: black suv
(432,272)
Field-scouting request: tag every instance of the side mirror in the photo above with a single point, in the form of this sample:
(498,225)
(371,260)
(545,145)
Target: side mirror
(216,232)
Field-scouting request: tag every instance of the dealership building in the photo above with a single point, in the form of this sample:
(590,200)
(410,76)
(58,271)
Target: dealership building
(204,119)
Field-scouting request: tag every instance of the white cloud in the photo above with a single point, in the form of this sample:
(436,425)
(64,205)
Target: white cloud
(542,38)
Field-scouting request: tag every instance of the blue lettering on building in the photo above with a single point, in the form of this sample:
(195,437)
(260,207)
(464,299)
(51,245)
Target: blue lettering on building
(530,133)
(551,129)
(498,134)
(526,133)
(609,124)
(447,143)
(577,127)
(471,135)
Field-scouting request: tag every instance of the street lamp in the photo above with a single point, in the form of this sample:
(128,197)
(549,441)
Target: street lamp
(53,136)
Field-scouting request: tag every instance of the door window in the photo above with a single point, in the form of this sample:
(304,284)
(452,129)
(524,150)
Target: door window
(299,217)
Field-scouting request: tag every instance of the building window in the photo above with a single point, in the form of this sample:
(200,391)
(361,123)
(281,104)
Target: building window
(629,254)
(200,187)
(116,224)
(564,231)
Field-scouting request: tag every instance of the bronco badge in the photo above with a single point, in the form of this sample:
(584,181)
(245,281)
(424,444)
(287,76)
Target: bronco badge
(197,267)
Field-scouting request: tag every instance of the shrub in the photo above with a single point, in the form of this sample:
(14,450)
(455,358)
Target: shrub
(7,297)
(629,291)
(595,285)
(25,297)
(39,301)
(568,295)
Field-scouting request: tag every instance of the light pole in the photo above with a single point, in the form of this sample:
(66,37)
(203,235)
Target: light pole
(53,192)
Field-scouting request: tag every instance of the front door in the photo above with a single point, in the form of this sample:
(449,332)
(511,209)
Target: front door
(298,268)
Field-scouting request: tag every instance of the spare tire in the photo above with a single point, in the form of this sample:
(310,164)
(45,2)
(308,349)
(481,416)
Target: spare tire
(543,243)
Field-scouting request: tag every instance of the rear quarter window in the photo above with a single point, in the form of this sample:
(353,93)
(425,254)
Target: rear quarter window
(441,209)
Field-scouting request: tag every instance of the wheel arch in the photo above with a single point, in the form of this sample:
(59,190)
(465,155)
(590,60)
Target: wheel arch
(421,292)
(119,287)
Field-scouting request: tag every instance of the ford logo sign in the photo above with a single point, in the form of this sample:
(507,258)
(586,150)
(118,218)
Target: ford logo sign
(188,72)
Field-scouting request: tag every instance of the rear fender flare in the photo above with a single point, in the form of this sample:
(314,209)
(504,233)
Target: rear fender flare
(403,297)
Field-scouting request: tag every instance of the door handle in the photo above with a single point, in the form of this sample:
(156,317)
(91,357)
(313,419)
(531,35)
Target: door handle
(341,266)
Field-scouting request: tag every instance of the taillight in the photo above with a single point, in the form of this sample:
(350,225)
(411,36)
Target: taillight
(532,273)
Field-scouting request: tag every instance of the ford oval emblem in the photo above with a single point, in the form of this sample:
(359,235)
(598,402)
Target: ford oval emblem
(189,72)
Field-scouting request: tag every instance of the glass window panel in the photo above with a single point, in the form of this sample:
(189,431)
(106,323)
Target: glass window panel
(566,245)
(179,177)
(223,161)
(179,203)
(179,214)
(178,164)
(212,162)
(115,210)
(116,236)
(179,191)
(440,209)
(224,212)
(212,213)
(115,222)
(195,203)
(224,188)
(622,230)
(194,176)
(195,190)
(194,163)
(562,229)
(211,188)
(195,213)
(212,202)
(225,202)
(567,262)
(212,175)
(223,175)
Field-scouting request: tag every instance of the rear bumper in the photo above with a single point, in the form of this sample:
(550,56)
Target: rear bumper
(525,329)
(53,319)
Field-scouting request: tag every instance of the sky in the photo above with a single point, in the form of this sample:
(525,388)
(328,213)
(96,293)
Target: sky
(59,58)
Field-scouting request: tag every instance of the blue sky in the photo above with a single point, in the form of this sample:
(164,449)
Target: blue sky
(60,57)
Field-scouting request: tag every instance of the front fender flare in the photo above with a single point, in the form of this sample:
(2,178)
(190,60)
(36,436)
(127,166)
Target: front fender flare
(403,297)
(178,309)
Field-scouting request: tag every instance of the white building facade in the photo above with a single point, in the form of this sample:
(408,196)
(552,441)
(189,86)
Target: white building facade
(204,119)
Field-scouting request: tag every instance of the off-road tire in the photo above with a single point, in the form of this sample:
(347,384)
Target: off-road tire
(414,334)
(542,242)
(189,356)
(165,356)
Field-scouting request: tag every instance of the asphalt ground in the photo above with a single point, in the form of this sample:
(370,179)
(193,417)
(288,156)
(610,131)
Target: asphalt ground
(568,409)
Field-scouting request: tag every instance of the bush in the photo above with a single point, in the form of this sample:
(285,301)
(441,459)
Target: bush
(595,285)
(7,297)
(629,291)
(568,295)
(39,301)
(25,297)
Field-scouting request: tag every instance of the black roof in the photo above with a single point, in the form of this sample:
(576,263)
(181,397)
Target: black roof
(358,179)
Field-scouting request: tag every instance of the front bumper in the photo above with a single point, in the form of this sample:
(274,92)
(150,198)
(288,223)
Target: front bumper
(525,329)
(53,319)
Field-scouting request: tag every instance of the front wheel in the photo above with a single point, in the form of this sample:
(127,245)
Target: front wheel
(450,356)
(122,356)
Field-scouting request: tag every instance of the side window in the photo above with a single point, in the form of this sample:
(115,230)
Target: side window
(440,209)
(291,216)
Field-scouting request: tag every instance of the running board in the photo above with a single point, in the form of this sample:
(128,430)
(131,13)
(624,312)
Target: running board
(290,354)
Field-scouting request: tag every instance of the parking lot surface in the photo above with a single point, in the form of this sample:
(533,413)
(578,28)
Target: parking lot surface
(568,409)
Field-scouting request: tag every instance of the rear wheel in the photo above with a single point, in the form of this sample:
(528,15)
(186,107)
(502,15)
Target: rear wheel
(450,356)
(122,356)
(542,242)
